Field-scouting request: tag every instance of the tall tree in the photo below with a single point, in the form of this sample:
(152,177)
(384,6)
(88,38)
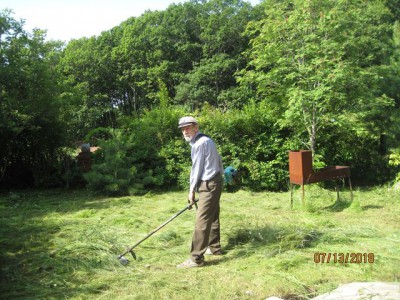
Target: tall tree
(159,45)
(222,23)
(142,60)
(89,70)
(30,127)
(319,62)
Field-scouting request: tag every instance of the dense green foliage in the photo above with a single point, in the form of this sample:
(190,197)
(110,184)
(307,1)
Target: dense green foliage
(310,64)
(283,75)
(31,130)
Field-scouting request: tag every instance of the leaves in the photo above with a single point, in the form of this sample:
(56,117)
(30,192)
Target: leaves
(306,74)
(29,108)
(318,57)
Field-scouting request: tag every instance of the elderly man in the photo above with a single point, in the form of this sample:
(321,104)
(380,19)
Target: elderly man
(206,179)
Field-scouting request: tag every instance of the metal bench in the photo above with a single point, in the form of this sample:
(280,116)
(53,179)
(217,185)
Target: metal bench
(301,172)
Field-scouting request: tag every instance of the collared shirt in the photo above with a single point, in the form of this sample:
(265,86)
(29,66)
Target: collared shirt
(206,161)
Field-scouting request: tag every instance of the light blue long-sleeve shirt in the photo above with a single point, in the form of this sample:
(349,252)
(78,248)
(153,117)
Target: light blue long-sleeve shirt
(206,161)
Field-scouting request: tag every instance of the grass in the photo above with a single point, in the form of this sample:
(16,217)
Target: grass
(63,245)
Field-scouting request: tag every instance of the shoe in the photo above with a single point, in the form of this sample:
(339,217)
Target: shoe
(209,252)
(190,264)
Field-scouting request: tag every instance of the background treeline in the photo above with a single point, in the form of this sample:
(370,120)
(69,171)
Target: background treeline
(283,75)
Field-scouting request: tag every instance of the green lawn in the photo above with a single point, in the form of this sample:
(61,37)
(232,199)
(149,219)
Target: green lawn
(63,245)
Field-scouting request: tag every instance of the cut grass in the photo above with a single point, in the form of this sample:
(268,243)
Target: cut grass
(58,244)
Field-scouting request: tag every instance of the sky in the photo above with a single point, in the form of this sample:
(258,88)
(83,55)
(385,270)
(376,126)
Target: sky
(72,19)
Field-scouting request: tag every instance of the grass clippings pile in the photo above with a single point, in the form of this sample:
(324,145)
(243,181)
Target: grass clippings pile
(64,245)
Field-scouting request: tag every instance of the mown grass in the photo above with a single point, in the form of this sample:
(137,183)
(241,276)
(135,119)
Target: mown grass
(63,245)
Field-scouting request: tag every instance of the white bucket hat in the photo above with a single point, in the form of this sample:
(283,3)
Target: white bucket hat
(185,121)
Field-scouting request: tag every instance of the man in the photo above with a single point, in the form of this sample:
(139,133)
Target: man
(206,179)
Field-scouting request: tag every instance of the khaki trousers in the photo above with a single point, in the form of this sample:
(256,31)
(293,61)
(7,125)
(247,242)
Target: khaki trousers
(207,228)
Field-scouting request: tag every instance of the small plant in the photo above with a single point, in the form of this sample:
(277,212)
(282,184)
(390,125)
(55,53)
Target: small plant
(394,160)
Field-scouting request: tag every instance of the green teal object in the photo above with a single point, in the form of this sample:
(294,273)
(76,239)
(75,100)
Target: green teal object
(229,175)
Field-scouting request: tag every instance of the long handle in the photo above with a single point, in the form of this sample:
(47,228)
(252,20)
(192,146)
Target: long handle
(158,228)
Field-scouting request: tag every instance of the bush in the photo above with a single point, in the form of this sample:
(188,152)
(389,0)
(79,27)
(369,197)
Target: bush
(148,151)
(144,154)
(113,171)
(249,141)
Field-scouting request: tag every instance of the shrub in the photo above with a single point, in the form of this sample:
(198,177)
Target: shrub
(144,154)
(114,171)
(249,141)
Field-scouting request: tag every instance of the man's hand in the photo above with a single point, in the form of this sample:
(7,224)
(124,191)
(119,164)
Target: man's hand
(191,198)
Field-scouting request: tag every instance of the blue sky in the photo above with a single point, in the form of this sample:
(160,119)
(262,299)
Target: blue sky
(71,19)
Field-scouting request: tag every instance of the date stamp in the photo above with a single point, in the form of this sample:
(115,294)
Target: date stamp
(343,258)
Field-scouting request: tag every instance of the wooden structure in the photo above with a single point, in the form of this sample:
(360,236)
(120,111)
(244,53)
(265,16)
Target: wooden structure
(85,157)
(301,172)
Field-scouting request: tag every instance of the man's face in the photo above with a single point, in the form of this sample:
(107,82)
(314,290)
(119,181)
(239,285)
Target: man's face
(189,132)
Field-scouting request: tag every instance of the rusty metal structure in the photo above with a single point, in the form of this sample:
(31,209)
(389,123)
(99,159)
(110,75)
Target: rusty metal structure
(85,157)
(301,172)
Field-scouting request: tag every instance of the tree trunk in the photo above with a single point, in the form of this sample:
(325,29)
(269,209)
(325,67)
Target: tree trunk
(313,132)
